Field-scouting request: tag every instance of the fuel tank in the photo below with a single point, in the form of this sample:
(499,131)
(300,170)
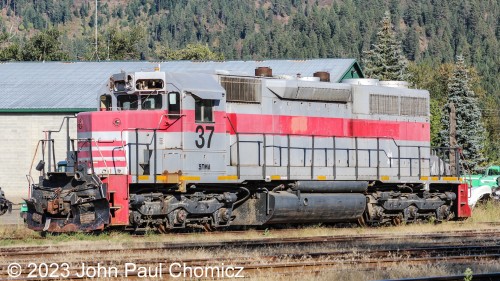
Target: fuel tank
(288,207)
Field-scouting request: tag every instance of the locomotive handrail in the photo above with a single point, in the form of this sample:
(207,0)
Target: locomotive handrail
(49,137)
(151,129)
(153,141)
(79,149)
(335,149)
(90,140)
(237,147)
(450,149)
(348,150)
(28,176)
(102,155)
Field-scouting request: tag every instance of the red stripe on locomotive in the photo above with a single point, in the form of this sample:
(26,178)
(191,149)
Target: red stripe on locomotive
(260,124)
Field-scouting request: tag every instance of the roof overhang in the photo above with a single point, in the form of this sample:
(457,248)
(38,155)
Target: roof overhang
(204,86)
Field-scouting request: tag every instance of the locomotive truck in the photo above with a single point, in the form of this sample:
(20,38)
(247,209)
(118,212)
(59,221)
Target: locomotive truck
(171,150)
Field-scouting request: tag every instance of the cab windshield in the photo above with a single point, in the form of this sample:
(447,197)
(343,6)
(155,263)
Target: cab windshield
(139,102)
(151,102)
(127,102)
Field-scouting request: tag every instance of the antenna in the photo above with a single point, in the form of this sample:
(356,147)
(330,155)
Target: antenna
(108,48)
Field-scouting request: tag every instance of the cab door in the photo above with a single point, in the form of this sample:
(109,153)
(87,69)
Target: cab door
(171,141)
(204,139)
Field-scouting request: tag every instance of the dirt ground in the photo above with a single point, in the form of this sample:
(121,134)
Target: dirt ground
(15,195)
(12,218)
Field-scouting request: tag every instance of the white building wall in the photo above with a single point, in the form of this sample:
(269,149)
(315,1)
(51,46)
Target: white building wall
(18,141)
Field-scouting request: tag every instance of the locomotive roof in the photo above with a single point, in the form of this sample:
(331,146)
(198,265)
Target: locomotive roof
(73,86)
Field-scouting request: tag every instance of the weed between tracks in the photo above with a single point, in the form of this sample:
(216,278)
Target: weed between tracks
(489,211)
(19,235)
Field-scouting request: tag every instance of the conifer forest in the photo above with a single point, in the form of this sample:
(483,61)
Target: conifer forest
(444,46)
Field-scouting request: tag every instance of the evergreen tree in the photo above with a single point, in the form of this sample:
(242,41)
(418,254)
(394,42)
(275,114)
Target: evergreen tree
(469,127)
(385,60)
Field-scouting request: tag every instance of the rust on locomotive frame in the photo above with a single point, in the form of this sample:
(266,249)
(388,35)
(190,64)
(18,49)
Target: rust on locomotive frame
(176,150)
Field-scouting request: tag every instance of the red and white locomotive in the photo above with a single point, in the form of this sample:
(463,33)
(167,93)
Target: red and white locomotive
(174,150)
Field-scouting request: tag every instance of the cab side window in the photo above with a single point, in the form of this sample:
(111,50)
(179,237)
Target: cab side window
(105,102)
(204,111)
(174,105)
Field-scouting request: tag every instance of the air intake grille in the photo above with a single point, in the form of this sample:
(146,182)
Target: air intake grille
(412,106)
(324,94)
(241,89)
(384,104)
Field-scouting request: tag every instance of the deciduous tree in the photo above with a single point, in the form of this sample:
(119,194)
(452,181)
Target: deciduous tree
(44,46)
(190,52)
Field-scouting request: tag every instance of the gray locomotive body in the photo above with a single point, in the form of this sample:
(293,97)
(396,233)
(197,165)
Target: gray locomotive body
(172,150)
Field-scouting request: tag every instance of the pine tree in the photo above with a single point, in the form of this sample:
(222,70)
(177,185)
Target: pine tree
(469,127)
(385,60)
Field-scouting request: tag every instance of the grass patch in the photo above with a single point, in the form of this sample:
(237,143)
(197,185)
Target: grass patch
(19,235)
(488,211)
(8,232)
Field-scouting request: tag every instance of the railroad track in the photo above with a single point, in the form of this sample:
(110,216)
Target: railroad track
(278,232)
(216,232)
(312,254)
(485,235)
(476,277)
(293,263)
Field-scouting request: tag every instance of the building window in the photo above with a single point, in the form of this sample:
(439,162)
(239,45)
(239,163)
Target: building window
(127,102)
(204,110)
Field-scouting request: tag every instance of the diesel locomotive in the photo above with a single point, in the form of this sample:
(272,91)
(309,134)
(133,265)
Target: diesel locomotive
(171,150)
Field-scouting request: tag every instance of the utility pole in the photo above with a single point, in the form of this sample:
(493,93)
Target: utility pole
(95,25)
(453,139)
